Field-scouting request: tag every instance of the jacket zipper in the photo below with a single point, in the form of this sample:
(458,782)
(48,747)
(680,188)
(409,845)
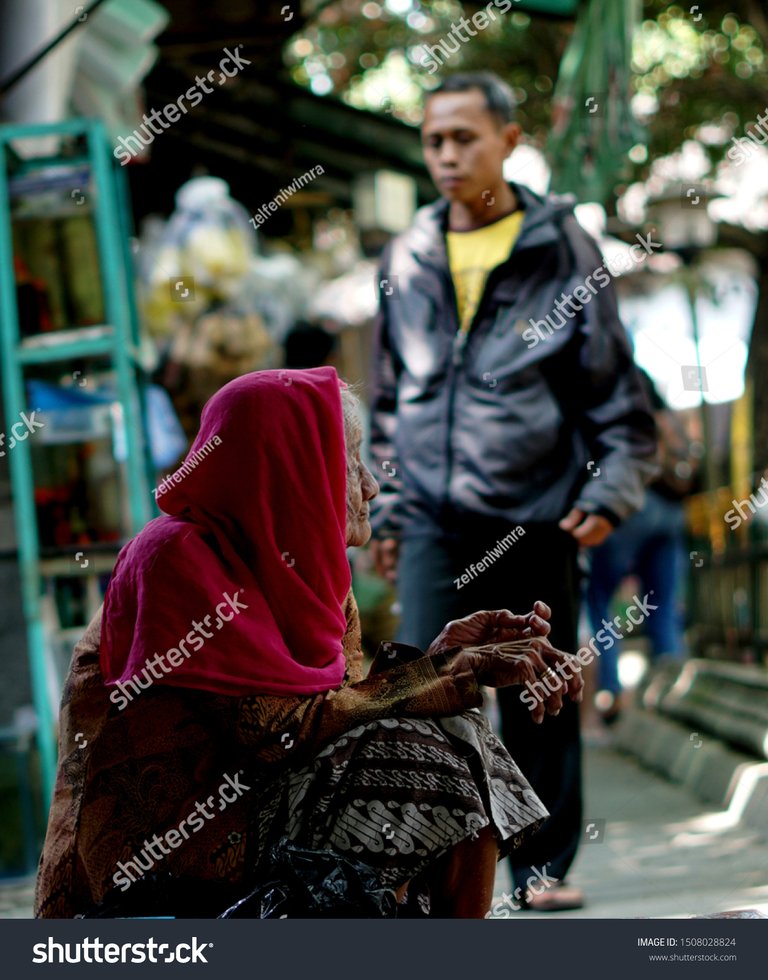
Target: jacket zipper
(458,347)
(456,358)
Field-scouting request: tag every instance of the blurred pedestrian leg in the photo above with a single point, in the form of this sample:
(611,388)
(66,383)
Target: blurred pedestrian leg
(539,565)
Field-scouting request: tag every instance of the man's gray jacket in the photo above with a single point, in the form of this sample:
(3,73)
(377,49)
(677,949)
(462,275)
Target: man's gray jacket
(521,422)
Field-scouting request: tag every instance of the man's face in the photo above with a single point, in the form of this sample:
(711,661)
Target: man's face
(465,146)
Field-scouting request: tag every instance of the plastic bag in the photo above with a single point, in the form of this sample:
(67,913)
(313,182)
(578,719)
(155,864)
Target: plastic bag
(199,258)
(305,883)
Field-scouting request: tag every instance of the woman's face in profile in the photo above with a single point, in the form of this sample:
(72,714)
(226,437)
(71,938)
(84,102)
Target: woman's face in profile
(361,487)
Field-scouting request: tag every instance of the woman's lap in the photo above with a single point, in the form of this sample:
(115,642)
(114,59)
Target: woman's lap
(397,793)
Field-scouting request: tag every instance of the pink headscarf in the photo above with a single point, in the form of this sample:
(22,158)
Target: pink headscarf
(256,531)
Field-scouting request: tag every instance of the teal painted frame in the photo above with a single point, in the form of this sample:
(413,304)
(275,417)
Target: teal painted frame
(112,222)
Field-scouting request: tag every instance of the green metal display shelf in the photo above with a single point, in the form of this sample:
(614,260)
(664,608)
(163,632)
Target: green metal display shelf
(116,341)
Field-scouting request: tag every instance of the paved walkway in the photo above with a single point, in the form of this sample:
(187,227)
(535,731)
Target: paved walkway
(16,898)
(660,852)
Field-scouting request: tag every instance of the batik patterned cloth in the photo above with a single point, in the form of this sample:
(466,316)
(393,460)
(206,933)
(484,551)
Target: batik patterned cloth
(397,792)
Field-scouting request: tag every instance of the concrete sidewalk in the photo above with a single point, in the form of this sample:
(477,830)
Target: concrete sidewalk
(16,898)
(658,851)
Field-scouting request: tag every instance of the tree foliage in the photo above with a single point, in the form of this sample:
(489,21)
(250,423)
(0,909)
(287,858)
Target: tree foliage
(700,71)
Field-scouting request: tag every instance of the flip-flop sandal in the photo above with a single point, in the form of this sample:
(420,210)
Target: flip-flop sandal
(557,898)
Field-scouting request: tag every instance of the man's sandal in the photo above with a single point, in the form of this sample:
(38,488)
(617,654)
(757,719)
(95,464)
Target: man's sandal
(557,898)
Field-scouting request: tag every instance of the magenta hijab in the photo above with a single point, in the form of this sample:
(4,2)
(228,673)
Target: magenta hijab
(240,588)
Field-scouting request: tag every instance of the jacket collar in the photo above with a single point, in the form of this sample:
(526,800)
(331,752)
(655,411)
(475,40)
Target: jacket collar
(541,225)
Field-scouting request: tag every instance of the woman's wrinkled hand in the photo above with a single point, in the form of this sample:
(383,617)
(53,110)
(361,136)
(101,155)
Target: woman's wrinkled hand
(525,662)
(494,626)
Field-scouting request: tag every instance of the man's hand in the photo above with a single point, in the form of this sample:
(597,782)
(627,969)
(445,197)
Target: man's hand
(525,662)
(589,530)
(497,626)
(385,555)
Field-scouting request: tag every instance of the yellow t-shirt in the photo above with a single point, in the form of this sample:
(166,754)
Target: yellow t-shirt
(472,255)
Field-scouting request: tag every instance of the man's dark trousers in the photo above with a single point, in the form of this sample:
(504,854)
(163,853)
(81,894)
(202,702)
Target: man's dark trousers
(541,564)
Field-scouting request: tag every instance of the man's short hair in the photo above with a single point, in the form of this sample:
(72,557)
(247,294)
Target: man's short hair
(499,99)
(308,345)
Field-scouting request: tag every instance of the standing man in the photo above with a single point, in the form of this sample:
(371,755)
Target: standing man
(504,441)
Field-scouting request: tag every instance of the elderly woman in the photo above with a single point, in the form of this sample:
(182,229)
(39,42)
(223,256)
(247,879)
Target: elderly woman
(219,698)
